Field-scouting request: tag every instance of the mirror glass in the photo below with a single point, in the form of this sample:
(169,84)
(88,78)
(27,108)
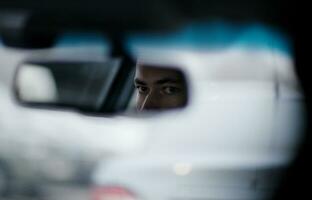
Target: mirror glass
(90,86)
(82,85)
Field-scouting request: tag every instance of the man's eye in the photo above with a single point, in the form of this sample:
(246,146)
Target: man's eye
(170,90)
(142,89)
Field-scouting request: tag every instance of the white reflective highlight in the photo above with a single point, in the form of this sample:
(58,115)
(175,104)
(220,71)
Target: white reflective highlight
(36,84)
(182,169)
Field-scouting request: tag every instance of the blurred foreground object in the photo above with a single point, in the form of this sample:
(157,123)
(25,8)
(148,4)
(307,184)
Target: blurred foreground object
(238,133)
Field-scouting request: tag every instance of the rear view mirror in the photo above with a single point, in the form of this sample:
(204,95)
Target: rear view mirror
(80,85)
(92,86)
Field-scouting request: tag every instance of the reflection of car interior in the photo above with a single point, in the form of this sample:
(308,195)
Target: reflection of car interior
(80,84)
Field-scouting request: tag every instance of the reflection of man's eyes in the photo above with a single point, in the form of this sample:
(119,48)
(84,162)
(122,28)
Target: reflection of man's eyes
(166,90)
(170,90)
(142,89)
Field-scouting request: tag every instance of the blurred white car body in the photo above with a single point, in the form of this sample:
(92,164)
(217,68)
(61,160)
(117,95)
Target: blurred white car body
(46,145)
(233,140)
(238,132)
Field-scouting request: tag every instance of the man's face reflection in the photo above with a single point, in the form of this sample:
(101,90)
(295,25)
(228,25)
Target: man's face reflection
(159,88)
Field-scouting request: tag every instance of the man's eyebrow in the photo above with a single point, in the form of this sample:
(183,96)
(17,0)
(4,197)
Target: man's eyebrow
(138,81)
(168,80)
